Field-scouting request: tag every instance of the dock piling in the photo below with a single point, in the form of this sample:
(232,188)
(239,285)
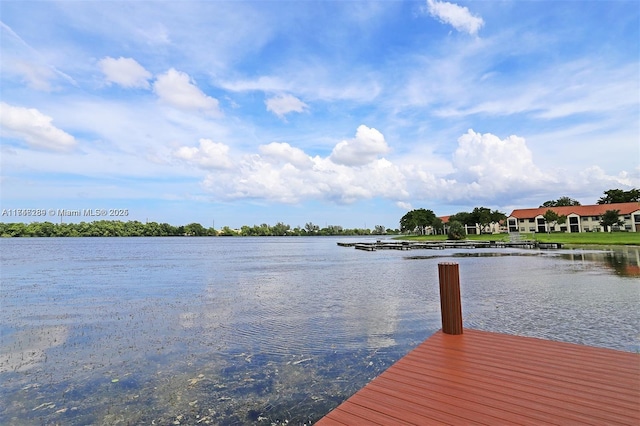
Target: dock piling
(450,304)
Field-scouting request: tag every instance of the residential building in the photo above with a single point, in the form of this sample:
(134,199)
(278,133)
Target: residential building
(579,218)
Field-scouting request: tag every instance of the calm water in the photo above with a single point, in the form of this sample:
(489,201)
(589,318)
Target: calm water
(265,330)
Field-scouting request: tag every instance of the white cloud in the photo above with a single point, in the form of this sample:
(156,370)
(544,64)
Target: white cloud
(287,153)
(177,89)
(596,176)
(36,76)
(404,205)
(363,149)
(496,164)
(34,127)
(259,178)
(209,155)
(458,17)
(284,104)
(360,85)
(125,72)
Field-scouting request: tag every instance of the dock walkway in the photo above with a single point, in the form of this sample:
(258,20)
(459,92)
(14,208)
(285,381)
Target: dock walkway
(439,245)
(494,379)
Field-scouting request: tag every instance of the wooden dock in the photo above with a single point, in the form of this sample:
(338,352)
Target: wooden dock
(440,245)
(475,377)
(494,379)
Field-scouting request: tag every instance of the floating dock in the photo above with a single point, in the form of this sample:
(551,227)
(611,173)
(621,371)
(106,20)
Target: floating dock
(440,245)
(474,377)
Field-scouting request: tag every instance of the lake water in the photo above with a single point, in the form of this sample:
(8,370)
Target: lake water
(233,331)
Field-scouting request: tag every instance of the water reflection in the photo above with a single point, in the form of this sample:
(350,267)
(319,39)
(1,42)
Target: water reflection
(264,330)
(25,349)
(623,261)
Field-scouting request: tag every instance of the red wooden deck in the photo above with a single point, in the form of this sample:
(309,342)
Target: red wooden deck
(495,379)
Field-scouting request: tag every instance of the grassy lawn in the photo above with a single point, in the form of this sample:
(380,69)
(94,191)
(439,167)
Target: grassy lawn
(583,238)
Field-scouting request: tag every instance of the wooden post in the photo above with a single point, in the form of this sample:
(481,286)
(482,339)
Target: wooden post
(450,305)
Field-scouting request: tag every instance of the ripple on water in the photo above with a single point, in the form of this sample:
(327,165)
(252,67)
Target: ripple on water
(247,331)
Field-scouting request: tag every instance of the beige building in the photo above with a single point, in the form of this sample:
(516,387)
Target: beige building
(579,218)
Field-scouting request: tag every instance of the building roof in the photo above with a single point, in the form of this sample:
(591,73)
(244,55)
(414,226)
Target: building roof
(594,210)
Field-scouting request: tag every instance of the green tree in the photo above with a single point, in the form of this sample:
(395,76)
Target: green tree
(498,216)
(227,232)
(611,218)
(195,229)
(482,216)
(613,196)
(465,218)
(311,228)
(168,230)
(15,230)
(456,231)
(561,202)
(553,218)
(438,225)
(417,220)
(280,229)
(152,229)
(380,230)
(332,230)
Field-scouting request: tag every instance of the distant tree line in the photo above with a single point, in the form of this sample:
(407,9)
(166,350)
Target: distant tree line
(414,222)
(134,228)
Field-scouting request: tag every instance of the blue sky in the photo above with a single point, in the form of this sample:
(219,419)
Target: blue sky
(343,113)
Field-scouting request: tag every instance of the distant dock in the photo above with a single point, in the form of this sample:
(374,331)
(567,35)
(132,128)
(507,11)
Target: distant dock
(449,244)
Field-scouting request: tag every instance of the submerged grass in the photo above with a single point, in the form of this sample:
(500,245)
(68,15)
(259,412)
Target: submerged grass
(582,238)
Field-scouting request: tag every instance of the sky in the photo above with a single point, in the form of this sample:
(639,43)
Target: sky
(347,113)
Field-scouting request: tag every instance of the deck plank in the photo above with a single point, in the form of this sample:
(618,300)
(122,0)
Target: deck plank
(489,378)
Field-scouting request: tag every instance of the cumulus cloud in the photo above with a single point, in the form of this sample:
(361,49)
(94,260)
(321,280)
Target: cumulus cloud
(495,163)
(125,72)
(284,104)
(286,153)
(34,127)
(484,168)
(458,17)
(208,155)
(363,149)
(595,175)
(261,178)
(177,89)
